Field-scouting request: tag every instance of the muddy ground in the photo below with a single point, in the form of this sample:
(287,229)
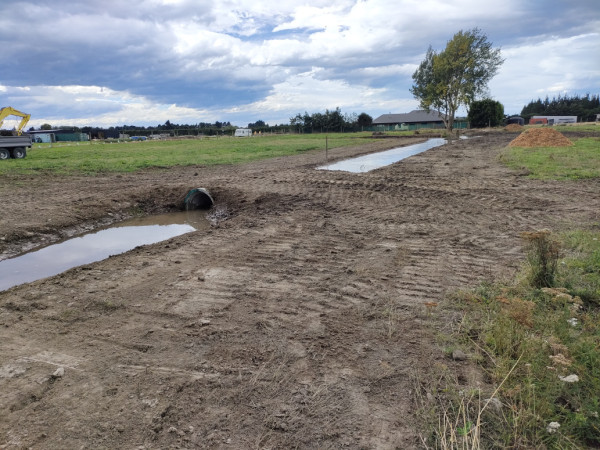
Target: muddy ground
(297,321)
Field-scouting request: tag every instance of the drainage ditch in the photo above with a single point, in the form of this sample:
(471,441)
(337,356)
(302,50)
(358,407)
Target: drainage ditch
(112,240)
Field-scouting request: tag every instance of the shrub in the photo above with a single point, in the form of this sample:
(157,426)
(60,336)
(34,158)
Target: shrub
(543,254)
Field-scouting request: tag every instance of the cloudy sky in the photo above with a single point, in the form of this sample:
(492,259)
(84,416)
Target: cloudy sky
(143,62)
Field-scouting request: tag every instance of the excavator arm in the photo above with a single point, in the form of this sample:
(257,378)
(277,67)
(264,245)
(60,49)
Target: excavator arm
(9,111)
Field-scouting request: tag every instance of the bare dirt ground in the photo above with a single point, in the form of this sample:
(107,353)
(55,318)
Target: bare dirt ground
(297,322)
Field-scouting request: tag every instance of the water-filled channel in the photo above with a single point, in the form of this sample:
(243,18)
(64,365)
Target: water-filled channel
(98,245)
(373,161)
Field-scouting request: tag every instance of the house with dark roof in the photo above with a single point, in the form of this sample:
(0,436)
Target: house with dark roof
(418,116)
(413,120)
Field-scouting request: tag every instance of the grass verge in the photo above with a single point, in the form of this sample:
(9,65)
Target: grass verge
(96,157)
(539,352)
(582,160)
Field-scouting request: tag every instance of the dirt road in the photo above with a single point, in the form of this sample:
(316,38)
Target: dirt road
(298,321)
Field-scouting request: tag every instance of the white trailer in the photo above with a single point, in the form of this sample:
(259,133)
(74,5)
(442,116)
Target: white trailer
(555,120)
(243,132)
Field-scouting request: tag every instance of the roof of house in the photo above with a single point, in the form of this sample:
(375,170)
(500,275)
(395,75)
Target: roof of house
(416,116)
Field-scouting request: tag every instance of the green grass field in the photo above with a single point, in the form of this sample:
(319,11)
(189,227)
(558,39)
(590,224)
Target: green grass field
(582,160)
(98,157)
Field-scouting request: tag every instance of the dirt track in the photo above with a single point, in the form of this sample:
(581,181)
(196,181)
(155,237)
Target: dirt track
(298,322)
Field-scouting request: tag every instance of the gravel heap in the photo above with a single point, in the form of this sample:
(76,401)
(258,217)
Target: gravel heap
(513,127)
(541,137)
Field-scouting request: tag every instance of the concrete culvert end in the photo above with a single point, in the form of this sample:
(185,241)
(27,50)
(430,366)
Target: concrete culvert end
(198,198)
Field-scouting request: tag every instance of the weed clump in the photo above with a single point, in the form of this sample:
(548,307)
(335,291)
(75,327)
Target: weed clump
(543,254)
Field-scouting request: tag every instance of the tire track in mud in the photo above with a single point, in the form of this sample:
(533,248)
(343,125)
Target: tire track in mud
(298,322)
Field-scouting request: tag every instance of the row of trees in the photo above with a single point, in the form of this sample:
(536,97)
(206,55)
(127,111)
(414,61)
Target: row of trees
(204,128)
(585,108)
(330,121)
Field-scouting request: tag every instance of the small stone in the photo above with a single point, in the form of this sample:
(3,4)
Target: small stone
(204,322)
(59,373)
(553,427)
(172,430)
(459,355)
(569,378)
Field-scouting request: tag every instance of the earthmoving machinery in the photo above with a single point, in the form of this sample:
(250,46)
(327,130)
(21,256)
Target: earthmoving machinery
(15,144)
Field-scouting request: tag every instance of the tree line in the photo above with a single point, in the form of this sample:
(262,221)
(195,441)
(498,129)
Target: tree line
(330,121)
(585,108)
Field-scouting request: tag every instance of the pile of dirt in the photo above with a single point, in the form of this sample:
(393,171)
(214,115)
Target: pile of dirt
(512,127)
(541,137)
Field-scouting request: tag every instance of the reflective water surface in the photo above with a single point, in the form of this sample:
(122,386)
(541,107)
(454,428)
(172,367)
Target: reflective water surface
(381,159)
(98,245)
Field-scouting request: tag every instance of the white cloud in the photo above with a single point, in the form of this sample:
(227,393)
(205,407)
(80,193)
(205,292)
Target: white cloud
(101,106)
(296,92)
(266,60)
(545,66)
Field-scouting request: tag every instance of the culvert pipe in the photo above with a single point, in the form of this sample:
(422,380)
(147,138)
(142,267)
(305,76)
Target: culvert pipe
(198,198)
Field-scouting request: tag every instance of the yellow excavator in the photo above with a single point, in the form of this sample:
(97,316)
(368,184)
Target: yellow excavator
(14,146)
(10,111)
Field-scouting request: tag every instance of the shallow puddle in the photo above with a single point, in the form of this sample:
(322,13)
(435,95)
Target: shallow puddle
(98,245)
(373,161)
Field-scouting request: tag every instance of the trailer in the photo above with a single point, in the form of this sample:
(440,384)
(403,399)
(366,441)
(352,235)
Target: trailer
(14,146)
(243,132)
(555,120)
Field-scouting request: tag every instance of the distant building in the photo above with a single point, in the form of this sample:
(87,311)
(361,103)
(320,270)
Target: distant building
(515,119)
(553,120)
(49,136)
(538,121)
(413,120)
(418,116)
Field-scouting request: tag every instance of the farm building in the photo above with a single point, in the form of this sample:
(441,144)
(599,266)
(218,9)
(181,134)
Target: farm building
(413,120)
(552,120)
(49,136)
(515,119)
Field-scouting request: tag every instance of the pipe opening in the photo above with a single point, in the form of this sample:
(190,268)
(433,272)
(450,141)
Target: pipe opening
(198,198)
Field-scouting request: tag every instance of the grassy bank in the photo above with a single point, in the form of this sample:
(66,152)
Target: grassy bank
(131,156)
(582,160)
(535,340)
(539,351)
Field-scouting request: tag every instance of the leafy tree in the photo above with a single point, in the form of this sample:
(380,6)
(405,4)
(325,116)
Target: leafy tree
(257,124)
(364,120)
(456,76)
(46,126)
(486,113)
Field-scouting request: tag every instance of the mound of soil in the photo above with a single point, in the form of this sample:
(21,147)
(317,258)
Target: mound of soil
(541,137)
(513,127)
